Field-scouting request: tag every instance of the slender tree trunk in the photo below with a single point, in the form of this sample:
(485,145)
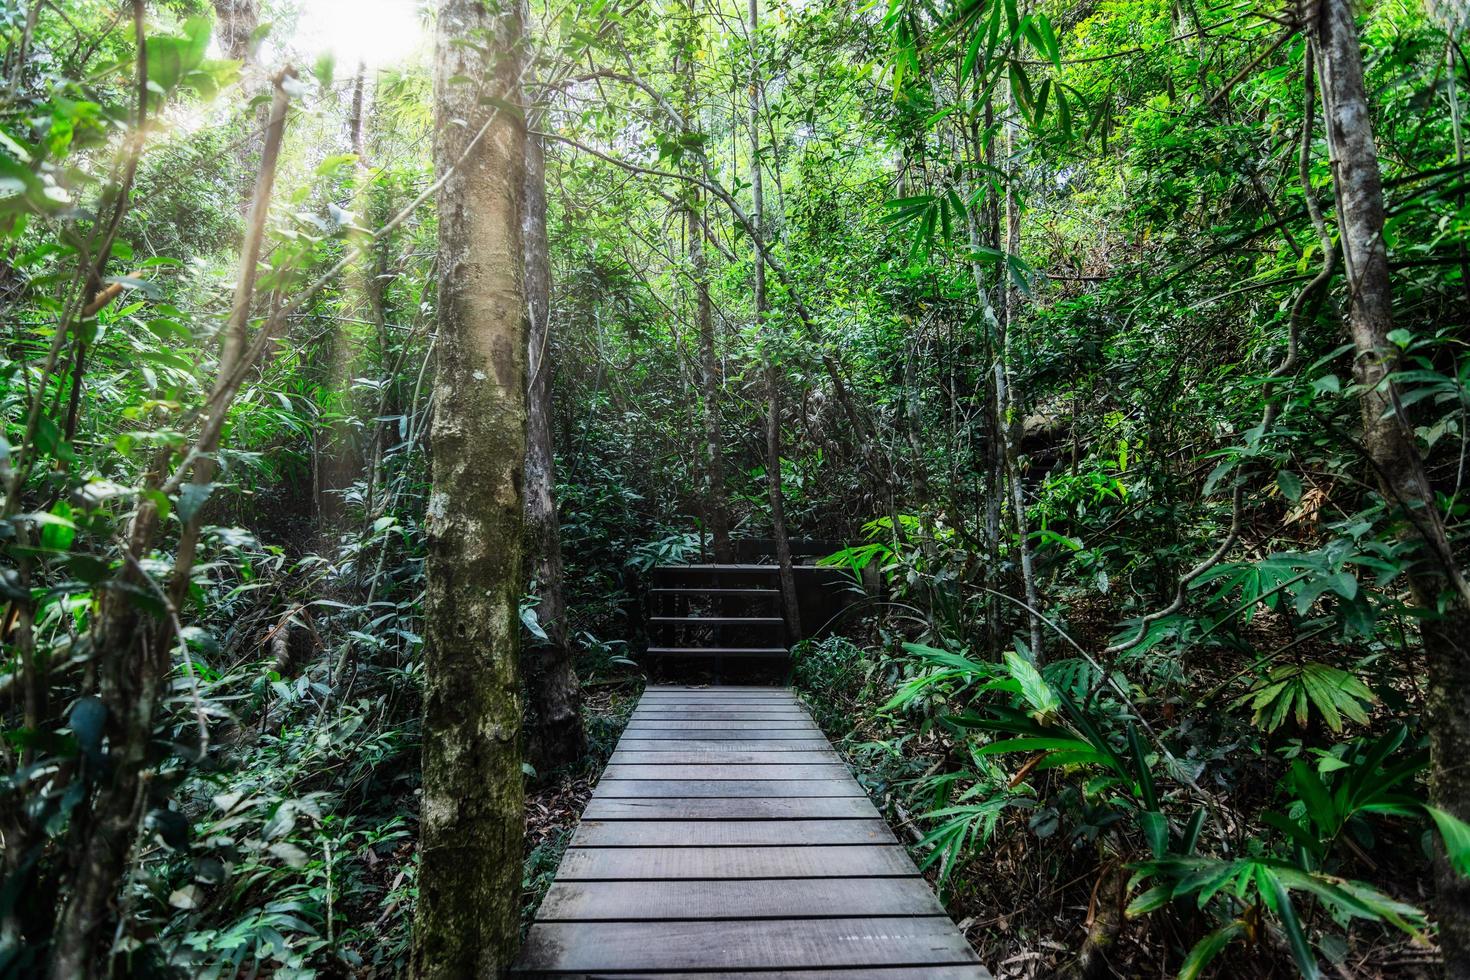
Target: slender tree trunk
(1009,427)
(472,820)
(1434,579)
(716,518)
(774,492)
(554,712)
(711,380)
(339,457)
(789,604)
(999,450)
(134,653)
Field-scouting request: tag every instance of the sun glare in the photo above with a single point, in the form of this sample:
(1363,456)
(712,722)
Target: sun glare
(377,33)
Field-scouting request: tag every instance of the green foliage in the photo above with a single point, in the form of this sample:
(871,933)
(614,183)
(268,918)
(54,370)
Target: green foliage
(1334,693)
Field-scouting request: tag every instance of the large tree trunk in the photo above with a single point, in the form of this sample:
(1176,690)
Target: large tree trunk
(554,715)
(774,492)
(1388,438)
(472,820)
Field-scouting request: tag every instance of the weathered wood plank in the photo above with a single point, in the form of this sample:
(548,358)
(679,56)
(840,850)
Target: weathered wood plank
(635,757)
(716,689)
(746,734)
(718,693)
(695,700)
(655,900)
(752,725)
(725,770)
(726,708)
(730,833)
(726,700)
(719,714)
(969,971)
(633,789)
(723,745)
(743,808)
(770,719)
(810,861)
(759,945)
(759,711)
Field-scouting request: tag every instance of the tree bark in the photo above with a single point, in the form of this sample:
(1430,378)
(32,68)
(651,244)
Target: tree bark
(234,27)
(554,734)
(1434,580)
(472,818)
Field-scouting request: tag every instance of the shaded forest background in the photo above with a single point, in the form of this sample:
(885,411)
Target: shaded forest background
(1053,337)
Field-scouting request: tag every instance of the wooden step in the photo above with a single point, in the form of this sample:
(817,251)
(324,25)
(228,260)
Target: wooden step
(749,652)
(716,620)
(717,568)
(702,590)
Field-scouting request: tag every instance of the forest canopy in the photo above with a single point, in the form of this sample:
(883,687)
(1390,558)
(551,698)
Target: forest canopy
(362,361)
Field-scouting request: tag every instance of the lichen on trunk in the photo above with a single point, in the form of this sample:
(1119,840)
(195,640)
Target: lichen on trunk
(471,819)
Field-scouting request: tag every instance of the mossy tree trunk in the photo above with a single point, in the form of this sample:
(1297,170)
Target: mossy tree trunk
(473,798)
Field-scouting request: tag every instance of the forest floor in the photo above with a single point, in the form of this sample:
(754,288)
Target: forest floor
(1026,908)
(555,804)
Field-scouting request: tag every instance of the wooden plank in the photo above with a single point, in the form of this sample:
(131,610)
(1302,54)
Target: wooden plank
(742,808)
(759,724)
(720,694)
(721,704)
(729,707)
(734,653)
(715,620)
(636,744)
(638,789)
(655,900)
(772,719)
(969,971)
(809,861)
(730,833)
(693,701)
(701,590)
(723,691)
(756,707)
(705,712)
(739,734)
(744,945)
(721,688)
(828,770)
(624,757)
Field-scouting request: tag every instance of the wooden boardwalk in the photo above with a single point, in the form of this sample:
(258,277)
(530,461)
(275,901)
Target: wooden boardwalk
(727,839)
